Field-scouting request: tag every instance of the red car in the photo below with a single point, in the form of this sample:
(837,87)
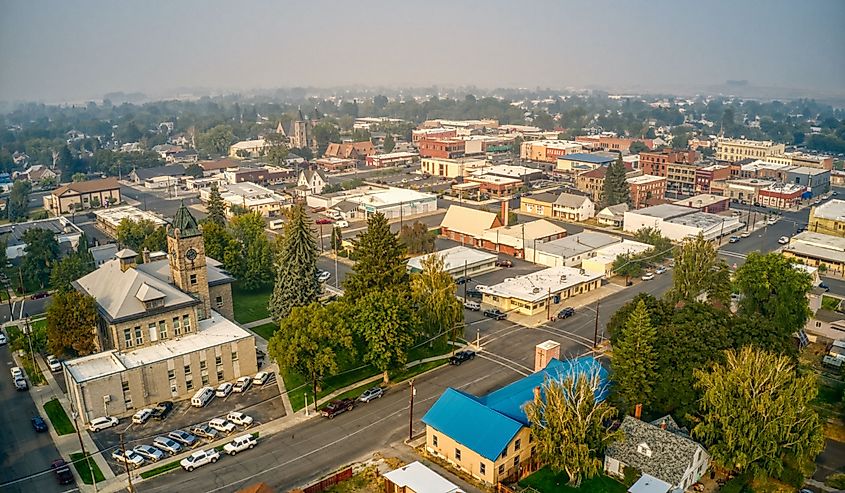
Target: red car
(336,407)
(324,220)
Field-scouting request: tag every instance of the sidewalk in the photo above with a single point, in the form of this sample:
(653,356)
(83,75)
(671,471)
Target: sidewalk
(584,300)
(68,444)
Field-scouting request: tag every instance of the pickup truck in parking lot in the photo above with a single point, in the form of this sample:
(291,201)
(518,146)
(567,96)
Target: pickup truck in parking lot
(204,431)
(199,458)
(337,407)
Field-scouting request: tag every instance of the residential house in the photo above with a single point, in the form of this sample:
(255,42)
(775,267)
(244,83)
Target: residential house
(571,207)
(157,177)
(538,204)
(350,150)
(103,253)
(466,225)
(211,168)
(489,436)
(66,233)
(613,215)
(82,195)
(36,173)
(660,449)
(311,181)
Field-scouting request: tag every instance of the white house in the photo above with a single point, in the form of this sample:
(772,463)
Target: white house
(573,207)
(661,450)
(311,181)
(612,215)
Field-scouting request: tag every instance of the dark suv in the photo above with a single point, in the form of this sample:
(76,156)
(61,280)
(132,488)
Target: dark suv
(566,313)
(495,313)
(337,407)
(162,410)
(461,356)
(63,474)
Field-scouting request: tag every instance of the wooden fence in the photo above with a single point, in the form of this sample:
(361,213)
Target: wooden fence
(330,481)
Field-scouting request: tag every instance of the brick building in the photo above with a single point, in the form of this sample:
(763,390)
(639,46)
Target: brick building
(442,148)
(656,162)
(705,176)
(646,187)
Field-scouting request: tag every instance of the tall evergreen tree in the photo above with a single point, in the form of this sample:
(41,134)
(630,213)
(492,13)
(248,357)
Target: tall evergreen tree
(216,210)
(389,143)
(634,362)
(381,261)
(616,189)
(296,266)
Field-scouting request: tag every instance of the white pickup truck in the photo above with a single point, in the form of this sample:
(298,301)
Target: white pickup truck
(199,458)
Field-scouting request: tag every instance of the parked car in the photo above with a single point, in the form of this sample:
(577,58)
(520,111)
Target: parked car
(102,423)
(733,239)
(474,293)
(783,240)
(371,394)
(262,377)
(824,286)
(240,444)
(566,313)
(3,340)
(199,458)
(495,313)
(745,234)
(660,270)
(62,471)
(142,416)
(54,363)
(129,457)
(168,445)
(242,384)
(472,305)
(239,418)
(461,280)
(337,407)
(773,220)
(20,384)
(224,389)
(461,356)
(149,452)
(648,276)
(222,425)
(183,437)
(504,263)
(39,295)
(323,276)
(323,220)
(16,372)
(341,224)
(162,410)
(204,431)
(38,424)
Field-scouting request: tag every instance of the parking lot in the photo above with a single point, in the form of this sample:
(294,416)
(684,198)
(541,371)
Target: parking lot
(263,403)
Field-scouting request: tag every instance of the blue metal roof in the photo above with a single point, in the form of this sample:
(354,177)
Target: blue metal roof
(487,424)
(588,158)
(462,418)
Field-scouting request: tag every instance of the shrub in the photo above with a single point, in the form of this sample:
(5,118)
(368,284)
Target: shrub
(836,481)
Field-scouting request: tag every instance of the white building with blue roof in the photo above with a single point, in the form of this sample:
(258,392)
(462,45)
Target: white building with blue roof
(489,436)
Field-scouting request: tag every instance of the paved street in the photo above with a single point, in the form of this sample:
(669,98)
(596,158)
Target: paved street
(23,307)
(23,452)
(156,202)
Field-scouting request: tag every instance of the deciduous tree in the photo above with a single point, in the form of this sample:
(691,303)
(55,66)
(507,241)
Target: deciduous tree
(634,362)
(387,324)
(628,265)
(570,426)
(296,266)
(256,267)
(757,412)
(433,292)
(662,246)
(699,272)
(17,205)
(417,238)
(71,324)
(42,253)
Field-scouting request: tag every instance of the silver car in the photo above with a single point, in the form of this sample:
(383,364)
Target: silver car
(168,445)
(149,452)
(371,394)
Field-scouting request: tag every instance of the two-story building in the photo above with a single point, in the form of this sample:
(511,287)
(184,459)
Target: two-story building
(75,197)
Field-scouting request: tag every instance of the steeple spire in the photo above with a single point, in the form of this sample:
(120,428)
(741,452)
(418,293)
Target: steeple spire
(185,223)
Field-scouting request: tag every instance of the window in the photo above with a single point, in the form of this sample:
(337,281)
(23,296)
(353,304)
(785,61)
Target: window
(220,375)
(505,452)
(644,449)
(139,336)
(219,302)
(457,454)
(203,365)
(177,328)
(516,461)
(218,360)
(171,374)
(501,469)
(205,380)
(516,445)
(189,384)
(234,355)
(187,369)
(162,329)
(127,337)
(434,440)
(174,390)
(482,468)
(193,279)
(186,323)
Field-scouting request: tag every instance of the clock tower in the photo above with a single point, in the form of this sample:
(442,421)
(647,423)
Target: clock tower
(186,254)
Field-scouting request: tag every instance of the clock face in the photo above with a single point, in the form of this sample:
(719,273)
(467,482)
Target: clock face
(191,254)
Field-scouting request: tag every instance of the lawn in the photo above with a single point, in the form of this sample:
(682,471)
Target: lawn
(546,481)
(830,303)
(58,417)
(81,466)
(250,305)
(266,330)
(160,469)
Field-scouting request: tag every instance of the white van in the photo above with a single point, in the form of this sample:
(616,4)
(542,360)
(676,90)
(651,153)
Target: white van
(277,224)
(202,397)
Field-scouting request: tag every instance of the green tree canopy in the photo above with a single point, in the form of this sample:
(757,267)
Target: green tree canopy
(634,363)
(699,272)
(17,205)
(757,412)
(216,141)
(71,324)
(194,170)
(616,189)
(381,261)
(570,426)
(387,324)
(142,234)
(638,146)
(417,238)
(42,253)
(662,246)
(255,270)
(389,143)
(296,265)
(69,269)
(433,292)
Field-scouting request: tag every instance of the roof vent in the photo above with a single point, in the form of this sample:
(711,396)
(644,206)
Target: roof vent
(535,290)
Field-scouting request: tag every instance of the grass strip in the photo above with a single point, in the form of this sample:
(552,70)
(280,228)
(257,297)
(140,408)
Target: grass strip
(81,465)
(58,417)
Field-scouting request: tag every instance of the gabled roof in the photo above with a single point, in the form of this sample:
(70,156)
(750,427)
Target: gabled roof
(109,183)
(671,450)
(311,173)
(571,200)
(468,221)
(420,479)
(614,211)
(547,197)
(117,291)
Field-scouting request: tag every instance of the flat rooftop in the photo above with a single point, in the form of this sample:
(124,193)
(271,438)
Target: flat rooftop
(113,215)
(701,200)
(820,240)
(455,258)
(643,179)
(537,285)
(494,179)
(625,247)
(584,157)
(511,171)
(213,331)
(702,220)
(833,210)
(577,244)
(664,211)
(57,225)
(396,155)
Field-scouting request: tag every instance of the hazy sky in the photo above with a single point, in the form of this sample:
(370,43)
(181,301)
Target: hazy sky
(71,50)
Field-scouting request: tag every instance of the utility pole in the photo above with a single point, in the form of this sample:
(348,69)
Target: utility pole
(465,281)
(29,336)
(549,305)
(400,216)
(596,332)
(126,464)
(411,414)
(82,446)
